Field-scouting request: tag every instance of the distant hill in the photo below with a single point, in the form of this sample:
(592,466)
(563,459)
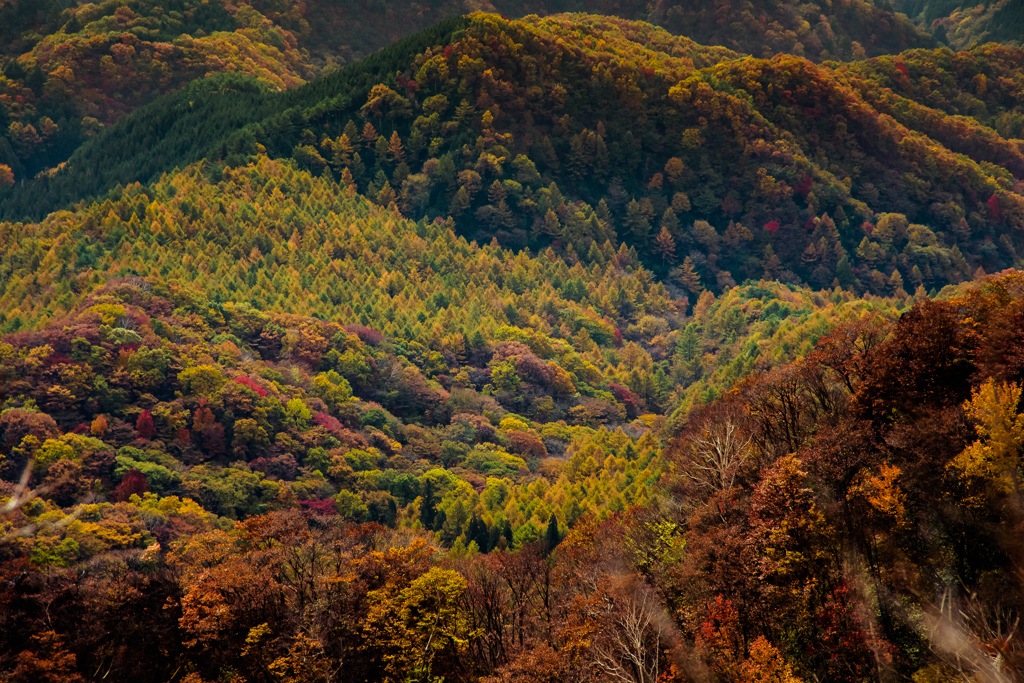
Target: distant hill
(964,24)
(817,30)
(286,242)
(66,73)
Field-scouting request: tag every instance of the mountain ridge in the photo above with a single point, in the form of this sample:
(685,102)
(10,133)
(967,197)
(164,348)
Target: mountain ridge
(79,66)
(713,165)
(556,349)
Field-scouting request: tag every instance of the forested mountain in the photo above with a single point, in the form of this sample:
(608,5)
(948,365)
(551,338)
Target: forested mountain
(554,349)
(282,240)
(833,518)
(572,131)
(66,73)
(964,24)
(69,67)
(818,30)
(273,342)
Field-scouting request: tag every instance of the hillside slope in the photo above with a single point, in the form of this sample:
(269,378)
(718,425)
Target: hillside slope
(282,240)
(964,24)
(271,337)
(868,491)
(575,130)
(817,30)
(65,74)
(197,358)
(69,68)
(437,368)
(220,449)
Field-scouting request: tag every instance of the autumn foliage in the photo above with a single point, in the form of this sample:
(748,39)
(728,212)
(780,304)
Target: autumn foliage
(555,349)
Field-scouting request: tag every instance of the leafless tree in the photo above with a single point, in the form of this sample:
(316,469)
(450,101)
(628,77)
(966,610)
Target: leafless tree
(637,627)
(717,451)
(23,493)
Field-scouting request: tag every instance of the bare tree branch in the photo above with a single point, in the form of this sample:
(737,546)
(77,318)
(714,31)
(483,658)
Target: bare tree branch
(24,494)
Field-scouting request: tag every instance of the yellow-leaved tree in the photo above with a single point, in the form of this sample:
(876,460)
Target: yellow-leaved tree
(419,627)
(995,457)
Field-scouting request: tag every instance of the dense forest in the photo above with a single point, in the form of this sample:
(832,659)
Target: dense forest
(67,69)
(882,175)
(850,516)
(479,400)
(818,30)
(962,25)
(283,240)
(671,341)
(65,74)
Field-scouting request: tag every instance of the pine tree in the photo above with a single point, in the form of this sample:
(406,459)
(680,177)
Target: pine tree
(504,215)
(477,341)
(465,112)
(427,505)
(496,192)
(687,345)
(579,160)
(555,197)
(343,150)
(552,537)
(477,532)
(840,217)
(351,131)
(369,136)
(845,274)
(357,167)
(387,195)
(896,283)
(665,246)
(688,278)
(917,276)
(380,150)
(959,262)
(772,263)
(460,202)
(637,224)
(604,214)
(396,153)
(868,252)
(670,222)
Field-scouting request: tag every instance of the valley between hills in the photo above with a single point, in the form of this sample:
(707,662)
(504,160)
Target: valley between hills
(516,342)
